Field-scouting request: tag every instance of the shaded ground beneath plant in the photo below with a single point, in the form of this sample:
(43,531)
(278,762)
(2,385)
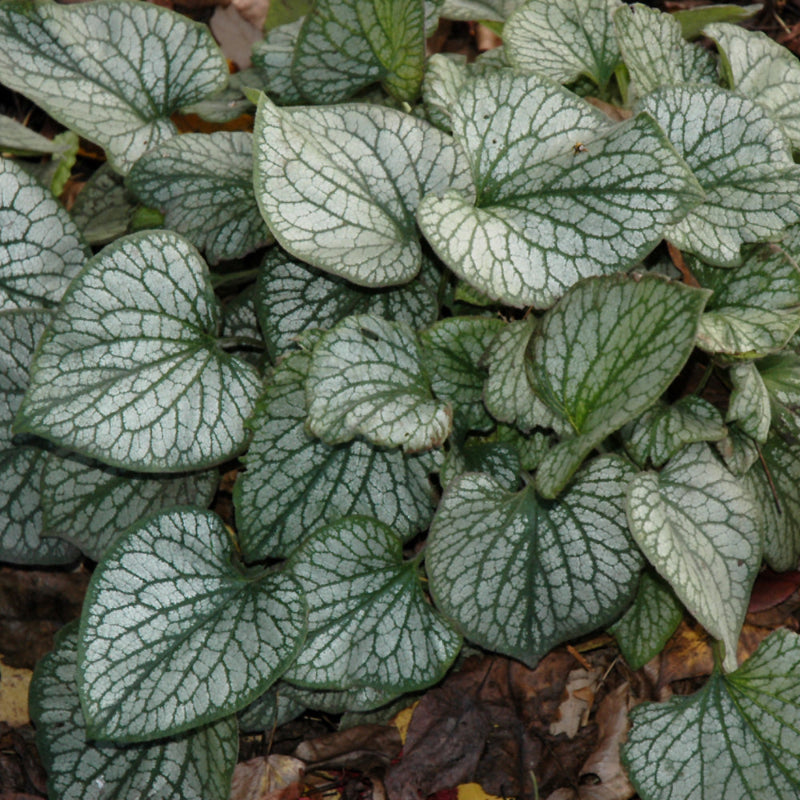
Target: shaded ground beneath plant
(492,726)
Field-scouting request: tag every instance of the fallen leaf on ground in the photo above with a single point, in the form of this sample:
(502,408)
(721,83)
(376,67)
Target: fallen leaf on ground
(574,710)
(272,778)
(14,685)
(366,748)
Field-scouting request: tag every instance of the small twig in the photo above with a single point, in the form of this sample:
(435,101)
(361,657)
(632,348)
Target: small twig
(678,261)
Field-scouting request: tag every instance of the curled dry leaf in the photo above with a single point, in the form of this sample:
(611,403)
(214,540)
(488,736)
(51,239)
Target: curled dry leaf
(275,777)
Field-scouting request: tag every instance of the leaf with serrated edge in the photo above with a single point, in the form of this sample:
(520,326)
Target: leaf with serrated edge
(603,355)
(90,506)
(367,378)
(773,480)
(41,249)
(339,186)
(203,184)
(735,738)
(655,52)
(749,402)
(292,297)
(545,215)
(763,70)
(195,766)
(702,530)
(369,622)
(755,308)
(645,627)
(564,41)
(129,372)
(111,71)
(519,575)
(345,45)
(191,641)
(663,430)
(295,483)
(452,349)
(742,160)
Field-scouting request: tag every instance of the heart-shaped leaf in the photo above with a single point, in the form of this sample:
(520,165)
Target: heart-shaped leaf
(369,621)
(367,378)
(561,192)
(112,71)
(345,45)
(41,249)
(203,184)
(645,627)
(701,529)
(755,308)
(519,575)
(192,641)
(292,297)
(195,766)
(655,52)
(736,737)
(295,483)
(129,372)
(763,70)
(90,505)
(564,41)
(742,160)
(339,186)
(603,355)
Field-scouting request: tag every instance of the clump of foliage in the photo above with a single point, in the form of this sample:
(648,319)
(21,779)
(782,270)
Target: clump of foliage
(466,383)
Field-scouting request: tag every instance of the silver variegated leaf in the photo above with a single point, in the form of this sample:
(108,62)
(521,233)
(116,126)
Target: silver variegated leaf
(452,350)
(292,297)
(701,528)
(520,575)
(603,355)
(737,737)
(763,70)
(90,506)
(741,158)
(345,45)
(755,308)
(203,184)
(41,249)
(129,371)
(656,53)
(564,40)
(643,630)
(195,766)
(369,624)
(294,483)
(339,185)
(112,71)
(749,404)
(174,635)
(367,378)
(664,429)
(561,193)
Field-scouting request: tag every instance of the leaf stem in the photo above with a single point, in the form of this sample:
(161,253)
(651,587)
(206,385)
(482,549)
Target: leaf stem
(233,342)
(242,276)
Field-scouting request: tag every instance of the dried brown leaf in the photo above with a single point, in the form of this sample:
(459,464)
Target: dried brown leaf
(275,777)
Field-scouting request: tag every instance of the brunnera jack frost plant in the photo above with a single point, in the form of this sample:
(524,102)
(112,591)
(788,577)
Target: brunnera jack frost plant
(440,341)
